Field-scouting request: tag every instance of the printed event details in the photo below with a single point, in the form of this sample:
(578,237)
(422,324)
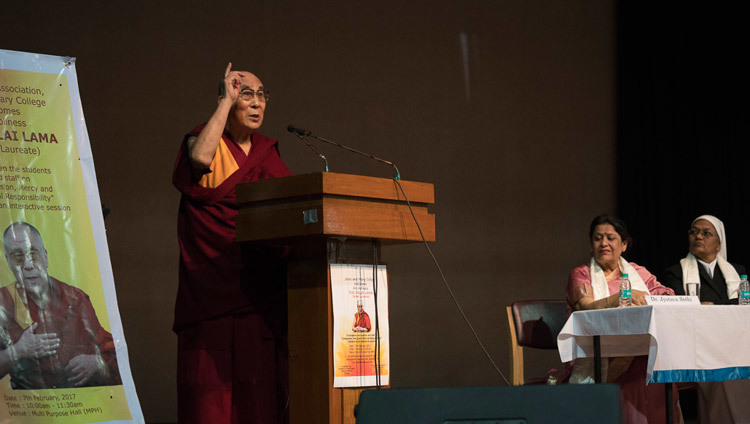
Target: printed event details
(26,188)
(75,405)
(62,405)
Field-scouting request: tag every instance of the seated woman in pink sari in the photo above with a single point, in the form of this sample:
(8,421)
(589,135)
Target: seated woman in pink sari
(596,285)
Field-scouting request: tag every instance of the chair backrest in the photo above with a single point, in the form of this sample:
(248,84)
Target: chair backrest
(538,322)
(535,324)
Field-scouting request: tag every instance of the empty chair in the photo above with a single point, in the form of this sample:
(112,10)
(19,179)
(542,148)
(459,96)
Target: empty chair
(533,324)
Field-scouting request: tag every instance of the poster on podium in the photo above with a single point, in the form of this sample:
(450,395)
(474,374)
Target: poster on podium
(63,357)
(361,353)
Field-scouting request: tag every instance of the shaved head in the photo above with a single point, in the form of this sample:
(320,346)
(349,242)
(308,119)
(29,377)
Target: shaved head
(250,80)
(247,80)
(16,230)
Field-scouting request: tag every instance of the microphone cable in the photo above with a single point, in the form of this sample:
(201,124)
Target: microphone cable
(314,149)
(447,286)
(397,176)
(377,357)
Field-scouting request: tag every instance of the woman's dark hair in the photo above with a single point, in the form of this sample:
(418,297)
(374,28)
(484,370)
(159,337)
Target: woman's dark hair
(614,221)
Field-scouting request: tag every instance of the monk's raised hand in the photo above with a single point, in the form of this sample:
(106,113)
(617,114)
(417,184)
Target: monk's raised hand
(232,83)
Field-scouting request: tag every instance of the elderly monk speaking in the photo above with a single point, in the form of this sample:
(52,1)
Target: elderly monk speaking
(50,336)
(230,313)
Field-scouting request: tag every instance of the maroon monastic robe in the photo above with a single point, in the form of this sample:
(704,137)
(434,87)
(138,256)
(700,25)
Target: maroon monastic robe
(362,320)
(218,277)
(230,314)
(71,316)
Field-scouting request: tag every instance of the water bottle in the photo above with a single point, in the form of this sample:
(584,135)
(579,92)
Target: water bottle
(744,290)
(551,378)
(625,299)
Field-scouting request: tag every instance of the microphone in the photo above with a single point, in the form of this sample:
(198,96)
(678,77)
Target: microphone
(300,132)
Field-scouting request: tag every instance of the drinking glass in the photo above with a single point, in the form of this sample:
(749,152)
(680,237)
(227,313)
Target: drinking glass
(694,289)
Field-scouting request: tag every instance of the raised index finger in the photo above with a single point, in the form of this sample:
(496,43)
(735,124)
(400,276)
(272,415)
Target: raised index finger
(229,69)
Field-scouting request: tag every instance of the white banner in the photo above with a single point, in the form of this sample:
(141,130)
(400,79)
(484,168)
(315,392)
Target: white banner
(360,311)
(63,357)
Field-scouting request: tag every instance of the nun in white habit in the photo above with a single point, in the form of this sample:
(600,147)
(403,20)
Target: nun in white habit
(706,264)
(726,401)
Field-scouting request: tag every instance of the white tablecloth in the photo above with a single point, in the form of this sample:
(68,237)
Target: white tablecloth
(683,342)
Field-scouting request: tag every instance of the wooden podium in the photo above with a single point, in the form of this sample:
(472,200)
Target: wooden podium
(327,218)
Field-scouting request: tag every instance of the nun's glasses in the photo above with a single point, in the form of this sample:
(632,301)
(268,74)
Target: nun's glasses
(705,233)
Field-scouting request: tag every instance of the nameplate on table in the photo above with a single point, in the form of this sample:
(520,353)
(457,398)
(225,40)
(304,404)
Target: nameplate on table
(672,300)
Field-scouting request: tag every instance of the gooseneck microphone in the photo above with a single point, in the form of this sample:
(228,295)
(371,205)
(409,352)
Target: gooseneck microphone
(300,132)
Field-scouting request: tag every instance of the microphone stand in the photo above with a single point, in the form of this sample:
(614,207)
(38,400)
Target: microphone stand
(387,162)
(314,149)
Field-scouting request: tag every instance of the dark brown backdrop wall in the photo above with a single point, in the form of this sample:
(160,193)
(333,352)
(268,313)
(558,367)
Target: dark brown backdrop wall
(506,106)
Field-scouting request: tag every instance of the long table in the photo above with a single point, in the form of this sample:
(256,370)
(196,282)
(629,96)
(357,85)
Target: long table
(684,343)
